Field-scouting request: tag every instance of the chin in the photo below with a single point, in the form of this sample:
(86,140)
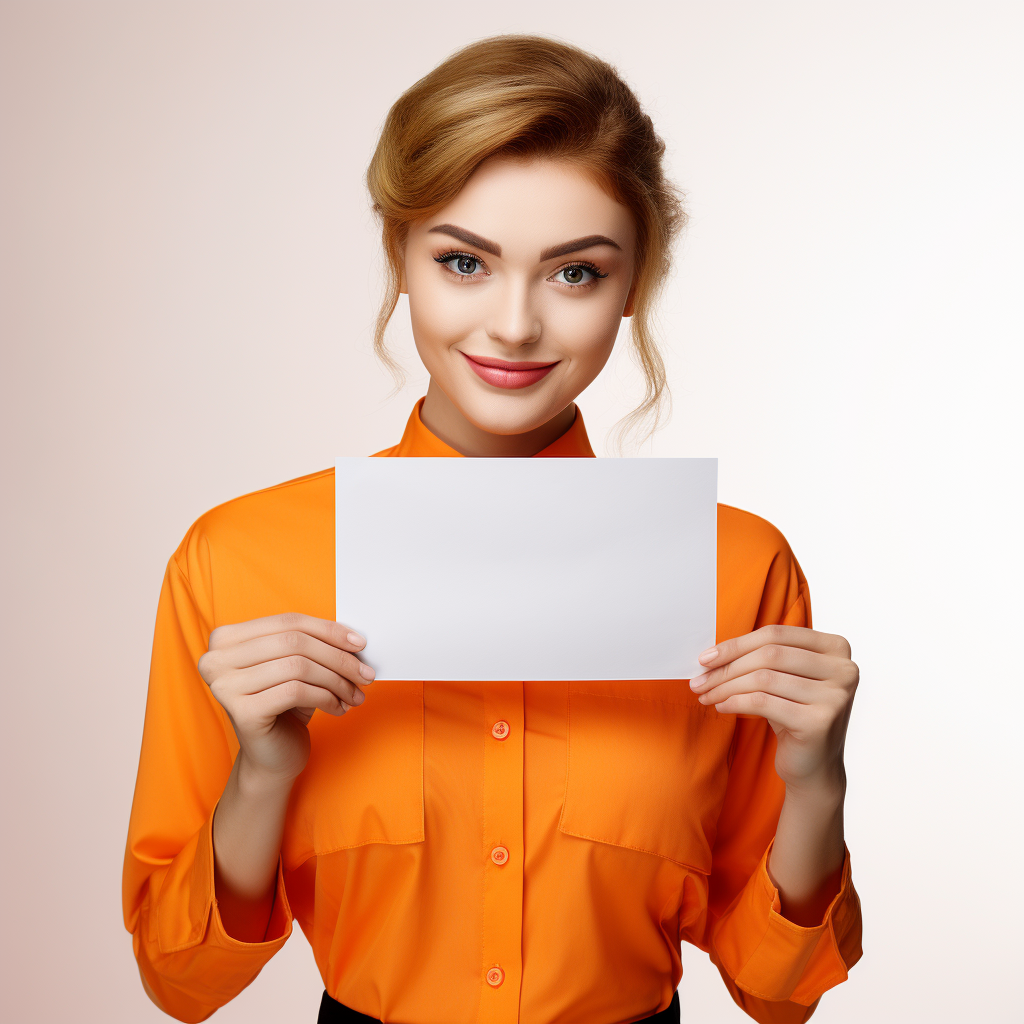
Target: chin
(508,413)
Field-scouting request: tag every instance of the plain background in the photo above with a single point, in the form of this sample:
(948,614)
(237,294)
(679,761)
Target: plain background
(190,274)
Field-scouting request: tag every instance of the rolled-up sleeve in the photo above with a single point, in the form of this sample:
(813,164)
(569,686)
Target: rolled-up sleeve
(189,964)
(765,955)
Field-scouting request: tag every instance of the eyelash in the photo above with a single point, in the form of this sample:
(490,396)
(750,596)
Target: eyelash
(447,257)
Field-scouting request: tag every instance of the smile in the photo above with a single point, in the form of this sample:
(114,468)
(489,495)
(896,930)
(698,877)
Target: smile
(504,374)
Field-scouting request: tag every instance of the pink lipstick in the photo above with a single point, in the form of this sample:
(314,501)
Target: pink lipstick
(504,374)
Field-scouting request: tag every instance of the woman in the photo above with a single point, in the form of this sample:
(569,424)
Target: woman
(460,852)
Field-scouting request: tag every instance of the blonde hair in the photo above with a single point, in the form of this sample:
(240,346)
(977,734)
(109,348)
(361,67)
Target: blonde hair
(527,96)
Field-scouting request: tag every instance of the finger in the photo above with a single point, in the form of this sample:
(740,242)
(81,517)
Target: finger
(272,673)
(293,642)
(795,660)
(305,714)
(302,714)
(296,694)
(330,632)
(782,684)
(789,636)
(782,713)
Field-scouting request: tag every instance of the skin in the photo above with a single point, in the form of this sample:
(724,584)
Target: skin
(803,681)
(515,306)
(271,674)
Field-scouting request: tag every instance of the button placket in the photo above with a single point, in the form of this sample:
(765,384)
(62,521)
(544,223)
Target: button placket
(503,836)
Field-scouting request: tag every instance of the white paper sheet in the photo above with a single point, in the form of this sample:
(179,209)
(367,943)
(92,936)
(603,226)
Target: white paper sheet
(517,569)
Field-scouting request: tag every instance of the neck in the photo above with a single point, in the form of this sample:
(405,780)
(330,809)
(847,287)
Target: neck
(444,420)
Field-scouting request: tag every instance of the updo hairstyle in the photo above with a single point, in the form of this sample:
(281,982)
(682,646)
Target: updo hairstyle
(528,96)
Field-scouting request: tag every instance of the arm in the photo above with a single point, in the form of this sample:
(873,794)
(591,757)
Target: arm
(203,924)
(270,674)
(807,858)
(780,946)
(248,827)
(189,962)
(775,968)
(803,683)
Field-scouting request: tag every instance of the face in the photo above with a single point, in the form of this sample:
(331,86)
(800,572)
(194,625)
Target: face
(517,289)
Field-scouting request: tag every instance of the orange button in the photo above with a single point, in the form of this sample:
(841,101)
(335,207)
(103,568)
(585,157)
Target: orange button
(500,730)
(495,976)
(499,855)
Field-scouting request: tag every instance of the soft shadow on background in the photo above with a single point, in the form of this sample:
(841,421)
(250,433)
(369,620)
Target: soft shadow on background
(190,271)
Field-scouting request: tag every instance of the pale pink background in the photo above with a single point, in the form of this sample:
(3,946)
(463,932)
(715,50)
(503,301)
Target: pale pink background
(190,271)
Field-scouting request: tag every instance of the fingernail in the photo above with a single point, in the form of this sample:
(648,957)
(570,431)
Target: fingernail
(698,681)
(356,640)
(709,655)
(366,672)
(358,697)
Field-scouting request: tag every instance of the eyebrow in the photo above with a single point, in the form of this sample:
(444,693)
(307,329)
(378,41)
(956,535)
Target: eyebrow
(494,249)
(469,238)
(575,245)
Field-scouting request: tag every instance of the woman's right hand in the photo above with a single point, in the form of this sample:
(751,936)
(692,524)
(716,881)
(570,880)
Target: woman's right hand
(271,674)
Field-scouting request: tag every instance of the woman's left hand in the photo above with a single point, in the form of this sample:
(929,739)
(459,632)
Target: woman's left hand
(802,681)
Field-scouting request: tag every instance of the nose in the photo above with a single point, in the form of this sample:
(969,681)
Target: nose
(512,320)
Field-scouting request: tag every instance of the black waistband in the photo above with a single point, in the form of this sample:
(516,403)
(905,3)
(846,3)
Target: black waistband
(333,1012)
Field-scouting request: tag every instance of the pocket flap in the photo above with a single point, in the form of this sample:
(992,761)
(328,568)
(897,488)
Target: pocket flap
(647,768)
(364,780)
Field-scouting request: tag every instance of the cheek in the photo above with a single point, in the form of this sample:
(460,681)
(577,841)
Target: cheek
(437,316)
(584,330)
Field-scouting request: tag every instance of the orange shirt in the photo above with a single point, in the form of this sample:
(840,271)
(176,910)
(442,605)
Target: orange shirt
(493,852)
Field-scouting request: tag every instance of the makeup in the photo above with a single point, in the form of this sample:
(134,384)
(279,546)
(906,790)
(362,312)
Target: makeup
(503,373)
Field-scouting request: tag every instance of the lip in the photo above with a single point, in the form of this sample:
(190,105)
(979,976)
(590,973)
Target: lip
(510,375)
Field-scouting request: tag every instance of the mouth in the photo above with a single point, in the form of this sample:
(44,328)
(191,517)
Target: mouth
(504,374)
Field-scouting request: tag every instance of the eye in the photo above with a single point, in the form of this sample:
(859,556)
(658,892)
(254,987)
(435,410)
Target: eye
(578,275)
(462,264)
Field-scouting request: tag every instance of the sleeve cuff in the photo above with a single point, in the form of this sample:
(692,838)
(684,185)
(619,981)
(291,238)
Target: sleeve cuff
(772,958)
(202,923)
(278,929)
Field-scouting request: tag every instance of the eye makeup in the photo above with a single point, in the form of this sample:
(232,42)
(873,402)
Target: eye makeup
(582,265)
(596,274)
(446,257)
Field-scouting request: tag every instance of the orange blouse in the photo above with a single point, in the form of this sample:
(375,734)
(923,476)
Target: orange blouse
(529,852)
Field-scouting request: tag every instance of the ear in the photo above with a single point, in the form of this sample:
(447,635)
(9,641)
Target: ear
(628,308)
(403,288)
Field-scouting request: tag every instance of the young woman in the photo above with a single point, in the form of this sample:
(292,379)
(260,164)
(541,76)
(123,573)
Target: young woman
(529,852)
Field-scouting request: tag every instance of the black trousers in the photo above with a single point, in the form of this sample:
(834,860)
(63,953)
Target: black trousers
(333,1012)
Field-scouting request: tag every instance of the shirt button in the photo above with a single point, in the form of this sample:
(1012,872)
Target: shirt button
(495,976)
(499,855)
(500,730)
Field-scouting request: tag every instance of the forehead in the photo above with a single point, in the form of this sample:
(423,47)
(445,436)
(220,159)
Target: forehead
(528,205)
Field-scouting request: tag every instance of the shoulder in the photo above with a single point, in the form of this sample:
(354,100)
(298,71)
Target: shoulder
(749,535)
(272,520)
(760,580)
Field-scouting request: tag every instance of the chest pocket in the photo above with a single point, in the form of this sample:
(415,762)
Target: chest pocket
(647,768)
(364,779)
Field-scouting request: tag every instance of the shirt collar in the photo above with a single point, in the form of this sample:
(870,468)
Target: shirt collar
(418,441)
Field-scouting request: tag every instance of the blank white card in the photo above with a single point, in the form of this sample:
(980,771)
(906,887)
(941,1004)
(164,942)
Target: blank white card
(517,569)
